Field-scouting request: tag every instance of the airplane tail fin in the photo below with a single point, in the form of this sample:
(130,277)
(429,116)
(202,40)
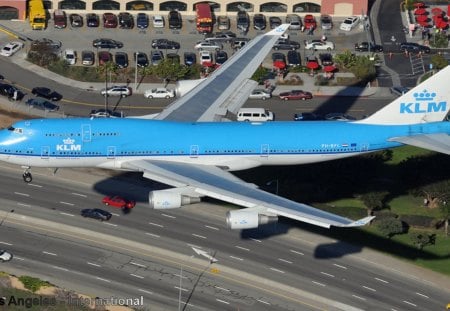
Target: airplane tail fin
(427,102)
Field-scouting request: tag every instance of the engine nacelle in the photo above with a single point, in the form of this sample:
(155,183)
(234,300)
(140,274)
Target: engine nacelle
(163,199)
(184,86)
(247,220)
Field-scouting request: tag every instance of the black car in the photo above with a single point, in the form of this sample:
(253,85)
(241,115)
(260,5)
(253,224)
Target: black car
(414,47)
(221,57)
(46,93)
(45,44)
(274,22)
(9,91)
(307,116)
(165,44)
(368,47)
(326,59)
(76,20)
(278,57)
(142,21)
(92,20)
(190,58)
(105,113)
(96,213)
(243,21)
(42,104)
(283,44)
(141,59)
(126,20)
(107,43)
(293,58)
(121,59)
(174,20)
(259,22)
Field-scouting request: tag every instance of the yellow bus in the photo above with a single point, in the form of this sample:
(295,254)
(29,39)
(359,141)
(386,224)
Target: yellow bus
(36,14)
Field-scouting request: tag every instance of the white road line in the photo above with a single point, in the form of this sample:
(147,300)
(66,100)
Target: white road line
(137,276)
(369,288)
(339,266)
(48,253)
(168,216)
(262,301)
(93,264)
(145,291)
(101,279)
(213,228)
(182,276)
(157,225)
(152,234)
(317,283)
(67,214)
(6,243)
(22,194)
(277,270)
(180,288)
(79,194)
(67,203)
(360,298)
(22,204)
(34,185)
(409,303)
(296,252)
(137,264)
(284,260)
(115,214)
(327,274)
(60,268)
(222,301)
(381,280)
(193,245)
(110,224)
(243,248)
(256,240)
(221,288)
(18,258)
(237,258)
(199,236)
(425,296)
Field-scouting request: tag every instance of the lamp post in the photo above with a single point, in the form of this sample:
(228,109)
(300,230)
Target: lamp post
(135,70)
(106,86)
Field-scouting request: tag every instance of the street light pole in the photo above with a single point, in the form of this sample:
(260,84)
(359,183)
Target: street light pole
(135,70)
(106,86)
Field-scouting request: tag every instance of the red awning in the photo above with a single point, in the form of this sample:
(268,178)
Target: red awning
(424,24)
(421,18)
(420,11)
(312,65)
(329,68)
(442,24)
(279,64)
(436,11)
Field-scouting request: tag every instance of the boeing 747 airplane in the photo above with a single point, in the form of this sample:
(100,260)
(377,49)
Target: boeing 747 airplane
(196,158)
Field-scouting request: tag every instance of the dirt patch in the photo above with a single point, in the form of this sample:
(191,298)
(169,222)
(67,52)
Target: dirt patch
(8,117)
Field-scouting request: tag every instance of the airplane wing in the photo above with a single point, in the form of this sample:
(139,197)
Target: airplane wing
(212,181)
(439,142)
(227,88)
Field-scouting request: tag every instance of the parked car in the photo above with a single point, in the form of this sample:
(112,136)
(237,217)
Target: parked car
(109,20)
(295,94)
(59,19)
(283,44)
(339,116)
(70,56)
(349,23)
(158,21)
(165,44)
(141,59)
(259,22)
(294,21)
(142,21)
(45,43)
(238,43)
(96,213)
(223,22)
(40,103)
(121,59)
(5,256)
(274,22)
(243,21)
(221,57)
(126,20)
(46,93)
(11,91)
(87,58)
(399,90)
(206,58)
(307,116)
(104,113)
(208,45)
(277,56)
(92,20)
(414,47)
(368,46)
(160,92)
(174,20)
(105,43)
(189,58)
(226,36)
(118,201)
(76,20)
(320,45)
(104,57)
(326,59)
(309,21)
(156,57)
(293,58)
(173,58)
(117,90)
(260,94)
(326,22)
(11,48)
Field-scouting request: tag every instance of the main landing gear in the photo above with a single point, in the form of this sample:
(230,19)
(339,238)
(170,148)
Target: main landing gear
(27,176)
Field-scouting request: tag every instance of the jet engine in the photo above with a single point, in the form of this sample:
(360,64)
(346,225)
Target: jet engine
(163,199)
(247,220)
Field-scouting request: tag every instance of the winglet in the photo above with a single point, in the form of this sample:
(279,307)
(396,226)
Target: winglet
(278,31)
(359,223)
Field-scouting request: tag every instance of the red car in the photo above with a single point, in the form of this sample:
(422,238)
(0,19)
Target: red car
(309,22)
(118,201)
(295,94)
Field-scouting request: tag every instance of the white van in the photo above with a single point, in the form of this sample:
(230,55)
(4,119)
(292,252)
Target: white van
(254,115)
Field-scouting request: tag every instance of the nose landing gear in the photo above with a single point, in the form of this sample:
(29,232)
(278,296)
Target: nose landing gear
(27,176)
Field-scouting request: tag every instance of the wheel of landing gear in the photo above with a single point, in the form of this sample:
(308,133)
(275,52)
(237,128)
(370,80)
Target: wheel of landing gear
(27,177)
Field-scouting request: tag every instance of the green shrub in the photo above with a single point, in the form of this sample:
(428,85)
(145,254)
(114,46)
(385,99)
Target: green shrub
(33,284)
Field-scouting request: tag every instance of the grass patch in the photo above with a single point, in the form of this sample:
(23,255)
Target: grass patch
(402,153)
(33,284)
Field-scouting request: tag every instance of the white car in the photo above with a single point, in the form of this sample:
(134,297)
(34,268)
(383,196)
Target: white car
(206,58)
(117,90)
(208,45)
(158,21)
(260,94)
(320,45)
(349,23)
(160,92)
(5,256)
(10,48)
(70,56)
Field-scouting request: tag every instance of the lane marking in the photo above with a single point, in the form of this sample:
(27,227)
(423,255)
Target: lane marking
(284,260)
(102,279)
(213,228)
(262,301)
(48,253)
(137,264)
(199,236)
(145,291)
(317,283)
(381,280)
(153,235)
(6,243)
(221,288)
(182,276)
(35,185)
(23,204)
(115,214)
(296,252)
(67,214)
(327,274)
(369,288)
(243,248)
(360,298)
(18,258)
(110,224)
(180,288)
(137,276)
(60,268)
(277,270)
(410,303)
(156,225)
(425,296)
(237,258)
(168,216)
(67,203)
(79,194)
(222,301)
(22,194)
(93,264)
(256,240)
(339,266)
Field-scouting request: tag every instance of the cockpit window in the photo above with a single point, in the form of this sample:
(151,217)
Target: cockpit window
(11,128)
(18,130)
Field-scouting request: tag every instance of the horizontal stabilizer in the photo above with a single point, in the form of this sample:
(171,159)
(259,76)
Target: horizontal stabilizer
(439,142)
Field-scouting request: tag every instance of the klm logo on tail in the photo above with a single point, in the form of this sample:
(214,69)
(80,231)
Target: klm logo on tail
(424,104)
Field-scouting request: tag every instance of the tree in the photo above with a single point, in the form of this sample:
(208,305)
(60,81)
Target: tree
(169,70)
(445,212)
(345,60)
(390,227)
(420,240)
(364,68)
(373,201)
(439,61)
(439,40)
(435,194)
(109,68)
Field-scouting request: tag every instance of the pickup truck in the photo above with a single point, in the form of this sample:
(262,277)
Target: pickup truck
(364,47)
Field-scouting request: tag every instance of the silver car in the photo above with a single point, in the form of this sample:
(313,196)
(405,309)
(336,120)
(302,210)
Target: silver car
(260,94)
(5,256)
